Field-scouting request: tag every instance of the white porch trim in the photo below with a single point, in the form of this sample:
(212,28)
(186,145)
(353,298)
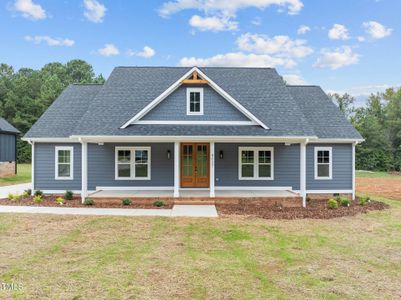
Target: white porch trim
(212,171)
(254,188)
(135,188)
(326,191)
(176,169)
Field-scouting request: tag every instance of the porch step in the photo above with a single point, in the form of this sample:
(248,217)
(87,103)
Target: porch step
(184,201)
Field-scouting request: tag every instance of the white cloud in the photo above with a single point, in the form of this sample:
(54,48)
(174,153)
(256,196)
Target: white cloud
(361,39)
(294,79)
(237,59)
(303,29)
(257,21)
(212,23)
(280,45)
(376,30)
(339,58)
(94,11)
(108,50)
(226,7)
(37,39)
(338,32)
(29,9)
(147,52)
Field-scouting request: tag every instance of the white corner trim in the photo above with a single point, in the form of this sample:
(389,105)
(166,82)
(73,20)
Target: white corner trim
(132,162)
(56,163)
(330,149)
(176,84)
(194,90)
(219,123)
(256,163)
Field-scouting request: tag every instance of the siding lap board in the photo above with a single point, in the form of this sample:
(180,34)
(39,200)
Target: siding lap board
(7,147)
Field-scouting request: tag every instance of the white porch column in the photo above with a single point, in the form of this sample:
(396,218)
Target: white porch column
(353,171)
(212,173)
(84,168)
(303,173)
(33,166)
(176,169)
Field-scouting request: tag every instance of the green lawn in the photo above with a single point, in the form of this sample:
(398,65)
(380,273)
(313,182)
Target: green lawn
(375,174)
(23,176)
(67,257)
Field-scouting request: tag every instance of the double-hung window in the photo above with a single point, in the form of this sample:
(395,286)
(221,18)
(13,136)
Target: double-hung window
(323,162)
(256,163)
(132,163)
(64,163)
(194,101)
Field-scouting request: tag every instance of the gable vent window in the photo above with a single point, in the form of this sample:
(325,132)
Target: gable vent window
(194,101)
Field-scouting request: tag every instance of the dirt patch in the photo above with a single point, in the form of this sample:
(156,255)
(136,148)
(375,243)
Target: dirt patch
(76,202)
(316,209)
(386,187)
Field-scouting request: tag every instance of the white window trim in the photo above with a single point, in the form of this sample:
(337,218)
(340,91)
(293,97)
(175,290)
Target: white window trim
(256,164)
(132,163)
(57,149)
(194,90)
(330,149)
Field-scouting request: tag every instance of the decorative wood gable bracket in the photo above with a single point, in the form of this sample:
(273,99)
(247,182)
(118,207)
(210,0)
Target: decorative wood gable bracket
(194,79)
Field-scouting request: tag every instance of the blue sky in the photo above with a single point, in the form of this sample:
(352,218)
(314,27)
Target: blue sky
(345,46)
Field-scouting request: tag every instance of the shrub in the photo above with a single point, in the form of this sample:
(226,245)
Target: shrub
(60,200)
(126,201)
(38,199)
(38,193)
(68,195)
(10,196)
(89,201)
(28,192)
(332,204)
(345,202)
(364,200)
(158,203)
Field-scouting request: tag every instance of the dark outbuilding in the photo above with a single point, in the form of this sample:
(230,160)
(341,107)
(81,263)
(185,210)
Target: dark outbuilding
(8,148)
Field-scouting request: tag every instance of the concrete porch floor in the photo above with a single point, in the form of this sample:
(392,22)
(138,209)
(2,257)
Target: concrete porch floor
(192,193)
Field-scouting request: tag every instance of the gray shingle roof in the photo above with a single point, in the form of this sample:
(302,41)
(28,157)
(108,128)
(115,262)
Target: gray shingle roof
(7,127)
(322,114)
(67,110)
(102,110)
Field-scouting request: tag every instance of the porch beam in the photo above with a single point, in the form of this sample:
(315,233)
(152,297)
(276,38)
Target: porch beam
(303,172)
(84,169)
(212,171)
(176,169)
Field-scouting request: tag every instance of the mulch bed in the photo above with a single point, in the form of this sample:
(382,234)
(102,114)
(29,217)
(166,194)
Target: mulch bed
(316,209)
(76,202)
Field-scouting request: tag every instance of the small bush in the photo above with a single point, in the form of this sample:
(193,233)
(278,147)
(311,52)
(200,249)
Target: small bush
(10,196)
(68,195)
(38,199)
(338,199)
(126,201)
(25,195)
(60,200)
(38,193)
(28,192)
(89,201)
(158,203)
(345,202)
(332,204)
(364,200)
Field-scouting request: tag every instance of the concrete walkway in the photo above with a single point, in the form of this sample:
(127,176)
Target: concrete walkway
(16,188)
(207,211)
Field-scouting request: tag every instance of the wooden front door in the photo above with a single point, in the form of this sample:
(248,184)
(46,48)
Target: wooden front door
(194,165)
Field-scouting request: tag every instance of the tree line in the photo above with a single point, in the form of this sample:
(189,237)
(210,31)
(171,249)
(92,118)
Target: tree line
(379,122)
(25,94)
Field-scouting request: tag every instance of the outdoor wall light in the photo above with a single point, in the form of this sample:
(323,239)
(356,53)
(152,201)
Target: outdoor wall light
(168,154)
(221,154)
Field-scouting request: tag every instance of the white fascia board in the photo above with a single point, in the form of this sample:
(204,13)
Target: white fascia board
(51,140)
(158,99)
(335,141)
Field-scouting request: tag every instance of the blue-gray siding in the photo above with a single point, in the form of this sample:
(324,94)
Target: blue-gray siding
(286,166)
(7,147)
(215,108)
(101,166)
(341,172)
(44,174)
